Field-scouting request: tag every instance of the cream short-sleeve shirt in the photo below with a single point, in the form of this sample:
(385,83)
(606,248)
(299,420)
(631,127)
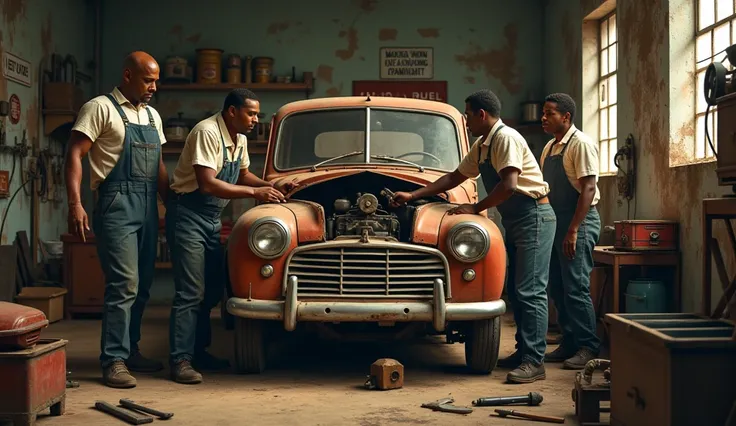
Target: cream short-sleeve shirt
(100,121)
(509,149)
(580,159)
(203,147)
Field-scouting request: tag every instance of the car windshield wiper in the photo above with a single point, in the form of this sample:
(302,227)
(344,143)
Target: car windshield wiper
(399,160)
(349,154)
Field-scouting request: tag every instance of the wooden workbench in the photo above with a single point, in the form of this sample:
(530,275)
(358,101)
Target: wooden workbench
(606,255)
(724,209)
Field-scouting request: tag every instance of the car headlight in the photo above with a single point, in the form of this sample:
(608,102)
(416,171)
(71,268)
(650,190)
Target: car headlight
(468,242)
(269,237)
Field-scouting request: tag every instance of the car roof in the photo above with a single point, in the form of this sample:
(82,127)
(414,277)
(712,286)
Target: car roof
(363,101)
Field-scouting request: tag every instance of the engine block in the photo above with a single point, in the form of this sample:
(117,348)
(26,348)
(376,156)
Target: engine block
(364,217)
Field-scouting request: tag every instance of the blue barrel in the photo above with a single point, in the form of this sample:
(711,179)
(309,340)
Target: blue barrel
(646,296)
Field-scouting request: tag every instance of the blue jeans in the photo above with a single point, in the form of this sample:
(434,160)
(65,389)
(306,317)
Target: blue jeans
(570,283)
(126,230)
(198,263)
(529,238)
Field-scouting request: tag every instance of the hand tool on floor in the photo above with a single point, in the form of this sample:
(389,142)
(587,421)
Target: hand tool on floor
(532,399)
(162,415)
(128,416)
(445,405)
(514,413)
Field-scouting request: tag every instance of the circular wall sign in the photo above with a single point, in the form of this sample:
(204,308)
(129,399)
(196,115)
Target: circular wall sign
(14,109)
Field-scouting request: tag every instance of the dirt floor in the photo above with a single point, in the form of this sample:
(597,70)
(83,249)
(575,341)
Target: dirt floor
(315,385)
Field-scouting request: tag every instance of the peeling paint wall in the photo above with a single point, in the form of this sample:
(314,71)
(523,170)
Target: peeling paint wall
(31,30)
(481,44)
(655,98)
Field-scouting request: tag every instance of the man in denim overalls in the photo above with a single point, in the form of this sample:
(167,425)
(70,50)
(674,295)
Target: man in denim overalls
(517,189)
(123,136)
(212,169)
(570,165)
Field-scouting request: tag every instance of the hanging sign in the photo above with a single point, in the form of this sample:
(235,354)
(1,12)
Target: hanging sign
(428,90)
(16,69)
(407,63)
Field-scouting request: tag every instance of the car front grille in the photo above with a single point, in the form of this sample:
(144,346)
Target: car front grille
(372,270)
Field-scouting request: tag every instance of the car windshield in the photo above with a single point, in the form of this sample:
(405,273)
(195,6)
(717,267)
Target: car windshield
(397,137)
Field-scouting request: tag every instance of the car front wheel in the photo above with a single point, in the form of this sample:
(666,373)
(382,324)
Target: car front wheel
(482,341)
(250,346)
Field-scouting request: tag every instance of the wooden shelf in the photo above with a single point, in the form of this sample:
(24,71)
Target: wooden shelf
(260,87)
(55,118)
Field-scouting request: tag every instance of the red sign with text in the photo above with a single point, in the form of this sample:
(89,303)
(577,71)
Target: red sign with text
(427,90)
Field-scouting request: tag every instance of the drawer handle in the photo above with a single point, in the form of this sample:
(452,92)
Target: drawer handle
(638,400)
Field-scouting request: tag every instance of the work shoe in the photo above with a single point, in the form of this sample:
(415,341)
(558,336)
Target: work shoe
(578,361)
(204,361)
(182,372)
(141,364)
(558,355)
(510,361)
(116,375)
(527,373)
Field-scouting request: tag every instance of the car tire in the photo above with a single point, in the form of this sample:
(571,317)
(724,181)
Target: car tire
(482,342)
(250,347)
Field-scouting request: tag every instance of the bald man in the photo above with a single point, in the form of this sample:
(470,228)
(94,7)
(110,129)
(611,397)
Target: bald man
(123,137)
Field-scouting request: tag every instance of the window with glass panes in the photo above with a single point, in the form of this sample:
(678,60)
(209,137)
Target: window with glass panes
(715,32)
(607,102)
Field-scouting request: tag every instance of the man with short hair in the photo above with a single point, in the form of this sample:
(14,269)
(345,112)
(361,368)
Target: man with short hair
(123,136)
(570,165)
(212,169)
(517,189)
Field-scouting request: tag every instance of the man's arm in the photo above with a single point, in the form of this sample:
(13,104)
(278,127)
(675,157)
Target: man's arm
(78,146)
(163,179)
(445,183)
(587,192)
(210,185)
(249,179)
(502,191)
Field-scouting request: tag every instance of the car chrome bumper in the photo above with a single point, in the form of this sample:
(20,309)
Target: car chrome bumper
(291,310)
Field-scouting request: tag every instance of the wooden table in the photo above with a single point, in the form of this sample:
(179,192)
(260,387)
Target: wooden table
(606,255)
(724,209)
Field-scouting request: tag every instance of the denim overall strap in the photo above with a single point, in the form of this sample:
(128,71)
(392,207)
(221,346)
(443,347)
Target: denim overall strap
(193,230)
(529,232)
(569,281)
(125,222)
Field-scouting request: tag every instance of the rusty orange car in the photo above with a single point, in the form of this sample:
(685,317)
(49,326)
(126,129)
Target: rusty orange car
(337,257)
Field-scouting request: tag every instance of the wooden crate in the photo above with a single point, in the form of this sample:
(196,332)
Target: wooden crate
(671,369)
(49,300)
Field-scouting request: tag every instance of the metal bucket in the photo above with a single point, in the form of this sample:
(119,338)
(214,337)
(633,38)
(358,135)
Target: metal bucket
(645,296)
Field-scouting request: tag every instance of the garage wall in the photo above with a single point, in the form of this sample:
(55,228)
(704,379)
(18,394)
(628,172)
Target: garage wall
(31,30)
(656,105)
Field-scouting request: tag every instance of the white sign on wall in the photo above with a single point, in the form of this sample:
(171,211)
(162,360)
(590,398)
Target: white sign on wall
(407,63)
(16,69)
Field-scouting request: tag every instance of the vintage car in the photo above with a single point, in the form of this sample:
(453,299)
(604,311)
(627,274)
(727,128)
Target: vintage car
(339,259)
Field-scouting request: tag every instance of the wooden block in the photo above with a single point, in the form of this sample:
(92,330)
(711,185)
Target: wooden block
(387,373)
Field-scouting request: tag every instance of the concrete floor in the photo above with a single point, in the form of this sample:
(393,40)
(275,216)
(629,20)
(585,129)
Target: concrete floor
(316,385)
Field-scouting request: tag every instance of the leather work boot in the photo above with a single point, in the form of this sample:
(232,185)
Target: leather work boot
(182,372)
(578,361)
(116,375)
(510,361)
(527,373)
(558,355)
(204,361)
(141,364)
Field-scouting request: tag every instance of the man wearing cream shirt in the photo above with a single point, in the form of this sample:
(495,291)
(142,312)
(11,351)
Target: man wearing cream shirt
(123,137)
(570,165)
(212,169)
(515,186)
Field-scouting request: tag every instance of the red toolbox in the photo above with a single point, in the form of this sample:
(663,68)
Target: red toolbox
(646,235)
(20,326)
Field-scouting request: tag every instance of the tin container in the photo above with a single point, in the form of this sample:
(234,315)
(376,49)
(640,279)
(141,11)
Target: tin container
(209,66)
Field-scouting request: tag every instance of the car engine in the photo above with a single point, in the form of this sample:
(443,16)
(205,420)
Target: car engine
(365,217)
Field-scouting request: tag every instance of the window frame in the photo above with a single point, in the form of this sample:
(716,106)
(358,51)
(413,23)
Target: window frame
(604,79)
(701,149)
